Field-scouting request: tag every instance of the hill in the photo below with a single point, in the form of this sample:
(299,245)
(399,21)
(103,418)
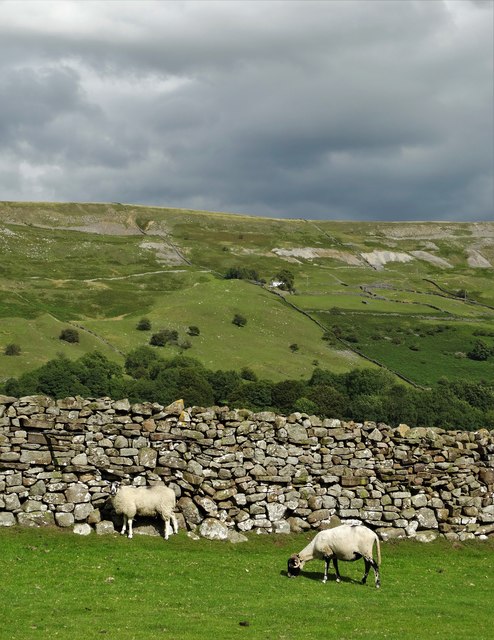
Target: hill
(412,297)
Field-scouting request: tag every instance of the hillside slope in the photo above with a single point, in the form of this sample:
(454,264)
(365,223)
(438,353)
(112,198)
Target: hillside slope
(413,297)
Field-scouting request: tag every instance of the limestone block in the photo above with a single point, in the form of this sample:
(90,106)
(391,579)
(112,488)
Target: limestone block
(426,518)
(147,457)
(78,493)
(213,529)
(105,527)
(7,519)
(36,519)
(82,511)
(36,457)
(64,519)
(82,529)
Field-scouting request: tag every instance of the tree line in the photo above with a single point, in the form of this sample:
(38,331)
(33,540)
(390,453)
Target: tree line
(359,395)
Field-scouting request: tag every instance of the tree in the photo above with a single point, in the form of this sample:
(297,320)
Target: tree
(480,351)
(12,350)
(69,335)
(285,393)
(246,373)
(101,376)
(224,383)
(140,362)
(241,273)
(330,402)
(287,280)
(144,324)
(164,337)
(253,395)
(239,320)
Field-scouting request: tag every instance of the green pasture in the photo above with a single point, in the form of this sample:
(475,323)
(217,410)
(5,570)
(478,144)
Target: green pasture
(40,342)
(263,344)
(88,264)
(57,584)
(420,349)
(353,302)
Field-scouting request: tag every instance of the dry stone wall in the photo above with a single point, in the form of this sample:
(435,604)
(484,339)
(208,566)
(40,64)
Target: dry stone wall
(235,471)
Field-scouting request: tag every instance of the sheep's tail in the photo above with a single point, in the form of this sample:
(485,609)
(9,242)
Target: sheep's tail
(378,545)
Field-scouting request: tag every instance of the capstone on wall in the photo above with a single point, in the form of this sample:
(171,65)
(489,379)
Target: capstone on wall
(236,471)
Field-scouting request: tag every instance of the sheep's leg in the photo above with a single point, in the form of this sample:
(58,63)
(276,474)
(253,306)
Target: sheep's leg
(369,562)
(130,527)
(335,562)
(167,527)
(124,525)
(174,523)
(327,562)
(377,577)
(366,571)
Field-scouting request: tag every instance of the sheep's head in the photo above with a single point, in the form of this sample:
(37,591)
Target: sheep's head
(114,488)
(294,566)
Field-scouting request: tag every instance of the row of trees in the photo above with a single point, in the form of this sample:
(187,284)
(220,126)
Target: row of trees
(359,395)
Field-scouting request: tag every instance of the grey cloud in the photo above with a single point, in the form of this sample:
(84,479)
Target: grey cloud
(307,109)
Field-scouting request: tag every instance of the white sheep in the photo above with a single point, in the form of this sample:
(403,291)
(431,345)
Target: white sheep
(347,542)
(158,500)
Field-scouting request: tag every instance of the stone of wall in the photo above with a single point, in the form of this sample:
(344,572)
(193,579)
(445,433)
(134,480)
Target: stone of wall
(237,471)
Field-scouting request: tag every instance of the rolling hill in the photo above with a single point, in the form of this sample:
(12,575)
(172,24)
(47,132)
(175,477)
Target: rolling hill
(411,297)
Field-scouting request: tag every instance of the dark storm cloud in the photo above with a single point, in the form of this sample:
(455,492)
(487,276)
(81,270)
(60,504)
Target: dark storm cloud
(357,109)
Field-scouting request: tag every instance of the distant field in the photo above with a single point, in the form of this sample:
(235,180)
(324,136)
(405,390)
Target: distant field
(103,267)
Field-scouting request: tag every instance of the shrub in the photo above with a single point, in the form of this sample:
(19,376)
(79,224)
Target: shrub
(144,324)
(294,347)
(193,331)
(247,374)
(69,335)
(239,320)
(164,337)
(479,352)
(12,350)
(287,280)
(241,273)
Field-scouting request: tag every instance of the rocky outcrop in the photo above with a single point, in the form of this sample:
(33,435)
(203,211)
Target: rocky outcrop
(237,471)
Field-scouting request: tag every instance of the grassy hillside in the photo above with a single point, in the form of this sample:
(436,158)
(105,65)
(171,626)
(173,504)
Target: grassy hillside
(413,297)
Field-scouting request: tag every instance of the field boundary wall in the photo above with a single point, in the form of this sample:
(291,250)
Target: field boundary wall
(235,471)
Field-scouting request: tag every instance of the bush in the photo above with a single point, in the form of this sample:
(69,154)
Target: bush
(69,335)
(193,331)
(479,352)
(241,273)
(144,324)
(164,337)
(239,320)
(246,373)
(12,350)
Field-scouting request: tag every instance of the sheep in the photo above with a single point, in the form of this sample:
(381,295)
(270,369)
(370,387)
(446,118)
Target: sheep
(144,501)
(346,542)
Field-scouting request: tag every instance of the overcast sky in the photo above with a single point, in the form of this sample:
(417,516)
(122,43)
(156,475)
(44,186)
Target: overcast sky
(337,109)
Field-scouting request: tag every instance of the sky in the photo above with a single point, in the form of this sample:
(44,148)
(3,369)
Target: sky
(336,109)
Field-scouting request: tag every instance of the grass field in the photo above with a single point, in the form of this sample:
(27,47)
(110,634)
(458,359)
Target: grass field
(56,584)
(104,266)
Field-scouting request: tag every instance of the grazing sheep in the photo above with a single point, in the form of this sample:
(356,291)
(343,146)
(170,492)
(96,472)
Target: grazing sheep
(346,542)
(158,500)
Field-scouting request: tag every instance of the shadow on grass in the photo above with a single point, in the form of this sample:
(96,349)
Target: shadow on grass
(317,576)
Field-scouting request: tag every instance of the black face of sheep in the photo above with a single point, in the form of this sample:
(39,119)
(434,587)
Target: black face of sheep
(293,567)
